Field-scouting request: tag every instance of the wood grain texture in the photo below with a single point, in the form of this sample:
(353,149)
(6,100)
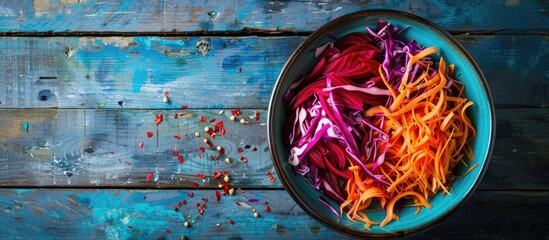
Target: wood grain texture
(275,16)
(135,72)
(100,148)
(128,214)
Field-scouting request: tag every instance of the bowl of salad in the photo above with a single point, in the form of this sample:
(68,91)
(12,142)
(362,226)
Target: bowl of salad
(380,124)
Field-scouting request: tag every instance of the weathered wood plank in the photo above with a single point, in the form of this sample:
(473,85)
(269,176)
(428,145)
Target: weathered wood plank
(135,72)
(88,148)
(180,16)
(127,214)
(54,147)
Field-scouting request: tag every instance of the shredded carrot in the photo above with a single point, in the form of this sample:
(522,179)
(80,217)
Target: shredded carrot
(429,135)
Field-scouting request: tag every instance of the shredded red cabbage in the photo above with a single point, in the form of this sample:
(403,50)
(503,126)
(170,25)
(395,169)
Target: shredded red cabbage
(326,130)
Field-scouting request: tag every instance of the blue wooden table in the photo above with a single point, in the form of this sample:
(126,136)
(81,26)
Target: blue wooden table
(82,83)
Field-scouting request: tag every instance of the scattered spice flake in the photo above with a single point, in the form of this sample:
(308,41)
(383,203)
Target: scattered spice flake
(225,187)
(159,118)
(253,200)
(190,194)
(185,202)
(176,209)
(128,163)
(266,203)
(212,120)
(217,175)
(176,115)
(269,174)
(223,131)
(184,114)
(218,195)
(149,177)
(237,203)
(267,209)
(204,206)
(231,222)
(168,231)
(140,144)
(130,227)
(257,116)
(240,150)
(184,106)
(175,153)
(200,210)
(195,185)
(203,118)
(220,150)
(150,134)
(144,197)
(177,137)
(214,157)
(235,112)
(244,159)
(112,152)
(200,156)
(273,179)
(179,204)
(180,159)
(239,70)
(207,141)
(200,176)
(204,200)
(202,148)
(254,149)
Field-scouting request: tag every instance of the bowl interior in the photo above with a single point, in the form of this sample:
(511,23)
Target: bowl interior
(481,113)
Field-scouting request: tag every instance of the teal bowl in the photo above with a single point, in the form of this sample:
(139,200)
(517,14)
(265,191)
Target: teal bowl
(481,114)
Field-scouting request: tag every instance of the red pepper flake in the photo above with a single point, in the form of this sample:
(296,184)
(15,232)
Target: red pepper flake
(167,94)
(180,159)
(130,227)
(175,153)
(204,200)
(203,118)
(223,131)
(239,70)
(231,222)
(149,177)
(267,209)
(190,194)
(257,116)
(266,203)
(219,124)
(183,114)
(218,195)
(217,175)
(235,112)
(240,150)
(273,179)
(184,106)
(212,120)
(202,148)
(140,144)
(214,158)
(176,209)
(269,174)
(112,152)
(243,159)
(198,205)
(204,206)
(168,231)
(159,118)
(179,204)
(220,150)
(185,202)
(207,141)
(200,156)
(200,176)
(225,187)
(195,185)
(177,137)
(176,115)
(254,149)
(128,163)
(144,197)
(200,210)
(237,203)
